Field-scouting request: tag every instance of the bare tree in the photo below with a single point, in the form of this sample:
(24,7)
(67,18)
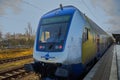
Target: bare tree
(29,35)
(0,39)
(7,35)
(28,31)
(0,34)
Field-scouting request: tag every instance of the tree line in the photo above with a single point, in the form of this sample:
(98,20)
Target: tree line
(18,40)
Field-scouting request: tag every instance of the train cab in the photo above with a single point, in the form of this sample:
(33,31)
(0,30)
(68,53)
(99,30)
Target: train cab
(65,42)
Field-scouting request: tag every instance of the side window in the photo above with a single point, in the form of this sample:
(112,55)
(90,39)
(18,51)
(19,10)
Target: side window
(85,34)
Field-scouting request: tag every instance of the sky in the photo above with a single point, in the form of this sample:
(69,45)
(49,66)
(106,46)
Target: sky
(16,14)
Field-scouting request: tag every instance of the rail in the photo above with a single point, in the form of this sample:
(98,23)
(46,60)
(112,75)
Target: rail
(15,59)
(13,73)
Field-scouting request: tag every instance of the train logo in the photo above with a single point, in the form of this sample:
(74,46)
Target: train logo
(47,56)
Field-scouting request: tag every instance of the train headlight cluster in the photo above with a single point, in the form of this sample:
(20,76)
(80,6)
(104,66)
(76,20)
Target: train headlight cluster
(58,47)
(42,47)
(55,47)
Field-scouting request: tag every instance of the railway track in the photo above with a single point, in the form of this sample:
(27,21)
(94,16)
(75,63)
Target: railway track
(14,59)
(13,73)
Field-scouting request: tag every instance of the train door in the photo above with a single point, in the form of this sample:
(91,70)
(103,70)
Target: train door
(98,43)
(85,35)
(89,47)
(98,46)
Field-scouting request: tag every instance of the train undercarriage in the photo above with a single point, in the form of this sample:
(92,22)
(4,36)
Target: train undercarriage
(48,71)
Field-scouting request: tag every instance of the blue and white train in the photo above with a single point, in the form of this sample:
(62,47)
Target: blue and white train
(66,42)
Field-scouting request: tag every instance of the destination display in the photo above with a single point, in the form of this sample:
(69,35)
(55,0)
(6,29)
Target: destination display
(56,19)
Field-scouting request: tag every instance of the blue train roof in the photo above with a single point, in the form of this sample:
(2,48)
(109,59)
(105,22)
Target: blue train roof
(58,11)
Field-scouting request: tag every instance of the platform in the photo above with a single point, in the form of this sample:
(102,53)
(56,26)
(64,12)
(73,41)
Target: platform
(108,67)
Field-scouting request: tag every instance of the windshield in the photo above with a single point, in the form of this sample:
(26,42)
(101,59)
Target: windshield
(53,29)
(53,32)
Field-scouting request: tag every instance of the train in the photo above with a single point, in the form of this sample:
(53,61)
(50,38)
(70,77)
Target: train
(66,43)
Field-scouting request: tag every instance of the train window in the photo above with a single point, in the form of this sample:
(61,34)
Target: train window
(45,36)
(85,34)
(53,32)
(42,38)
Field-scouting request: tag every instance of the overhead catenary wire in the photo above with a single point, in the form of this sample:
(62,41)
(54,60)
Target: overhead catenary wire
(25,2)
(32,5)
(91,12)
(89,9)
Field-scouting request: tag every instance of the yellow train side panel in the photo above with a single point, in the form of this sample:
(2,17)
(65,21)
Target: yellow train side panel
(89,49)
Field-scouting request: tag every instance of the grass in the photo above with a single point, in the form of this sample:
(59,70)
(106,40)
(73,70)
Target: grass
(14,64)
(12,53)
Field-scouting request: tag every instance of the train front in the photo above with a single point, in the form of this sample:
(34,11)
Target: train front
(51,38)
(50,51)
